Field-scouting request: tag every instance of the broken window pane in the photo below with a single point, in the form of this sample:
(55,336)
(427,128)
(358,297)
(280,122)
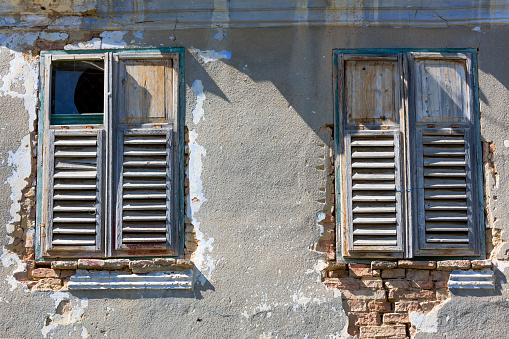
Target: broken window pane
(77,87)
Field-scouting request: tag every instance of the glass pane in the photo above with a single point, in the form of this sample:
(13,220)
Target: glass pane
(77,87)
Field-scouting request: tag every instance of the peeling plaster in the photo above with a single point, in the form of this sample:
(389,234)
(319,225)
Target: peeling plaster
(212,55)
(198,112)
(8,259)
(220,35)
(71,312)
(427,323)
(108,40)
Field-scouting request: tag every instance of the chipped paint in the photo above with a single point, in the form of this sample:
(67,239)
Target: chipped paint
(220,35)
(107,40)
(211,55)
(69,310)
(198,112)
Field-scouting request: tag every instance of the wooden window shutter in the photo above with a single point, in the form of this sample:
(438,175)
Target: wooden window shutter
(445,163)
(146,184)
(74,181)
(371,105)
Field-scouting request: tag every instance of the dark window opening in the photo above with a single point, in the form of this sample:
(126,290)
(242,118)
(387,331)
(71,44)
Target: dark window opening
(77,87)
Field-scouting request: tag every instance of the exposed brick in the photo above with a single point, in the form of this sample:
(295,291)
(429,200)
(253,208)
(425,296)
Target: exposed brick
(383,264)
(184,263)
(441,284)
(360,270)
(90,264)
(336,265)
(338,274)
(394,273)
(64,265)
(442,294)
(477,264)
(427,306)
(29,283)
(422,284)
(360,319)
(356,306)
(116,264)
(21,275)
(407,306)
(343,284)
(397,284)
(417,274)
(379,306)
(407,294)
(364,294)
(28,254)
(40,273)
(449,265)
(422,265)
(398,318)
(376,273)
(440,275)
(384,331)
(374,283)
(48,284)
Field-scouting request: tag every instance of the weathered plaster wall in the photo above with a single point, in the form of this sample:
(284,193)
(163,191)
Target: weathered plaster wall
(256,109)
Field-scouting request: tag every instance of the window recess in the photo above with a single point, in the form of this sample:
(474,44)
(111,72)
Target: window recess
(408,143)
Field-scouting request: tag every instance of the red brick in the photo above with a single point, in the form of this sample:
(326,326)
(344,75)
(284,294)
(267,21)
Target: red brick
(422,265)
(406,294)
(406,306)
(385,331)
(342,284)
(364,294)
(422,284)
(338,274)
(417,274)
(360,319)
(353,330)
(90,264)
(379,306)
(383,264)
(64,265)
(356,306)
(441,284)
(29,284)
(336,265)
(449,265)
(398,318)
(67,273)
(28,254)
(477,264)
(373,283)
(440,275)
(394,273)
(427,306)
(40,273)
(360,270)
(397,284)
(377,273)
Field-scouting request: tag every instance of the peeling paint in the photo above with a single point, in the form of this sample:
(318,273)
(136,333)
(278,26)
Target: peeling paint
(198,112)
(220,35)
(113,39)
(212,55)
(69,310)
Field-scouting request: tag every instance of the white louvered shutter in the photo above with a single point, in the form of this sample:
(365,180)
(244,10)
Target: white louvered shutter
(75,192)
(445,156)
(145,191)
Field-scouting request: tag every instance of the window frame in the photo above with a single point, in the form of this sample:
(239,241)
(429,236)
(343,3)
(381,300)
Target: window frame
(411,237)
(108,128)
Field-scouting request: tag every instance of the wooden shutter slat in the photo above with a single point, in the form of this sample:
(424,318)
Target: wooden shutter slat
(75,216)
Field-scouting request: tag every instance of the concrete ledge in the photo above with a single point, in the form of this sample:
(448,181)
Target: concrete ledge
(106,280)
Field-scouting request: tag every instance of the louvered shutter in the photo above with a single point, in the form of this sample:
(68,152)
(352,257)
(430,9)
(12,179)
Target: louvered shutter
(75,193)
(373,178)
(371,107)
(145,191)
(445,156)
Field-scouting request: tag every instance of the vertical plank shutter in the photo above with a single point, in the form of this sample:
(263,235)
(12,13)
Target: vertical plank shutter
(75,191)
(374,191)
(445,172)
(144,200)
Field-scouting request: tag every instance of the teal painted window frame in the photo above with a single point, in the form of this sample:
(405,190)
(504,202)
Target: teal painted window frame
(98,119)
(477,131)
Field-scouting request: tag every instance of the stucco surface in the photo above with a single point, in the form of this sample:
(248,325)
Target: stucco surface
(260,174)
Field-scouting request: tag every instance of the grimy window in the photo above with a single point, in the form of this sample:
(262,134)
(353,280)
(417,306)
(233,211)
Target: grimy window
(109,177)
(409,145)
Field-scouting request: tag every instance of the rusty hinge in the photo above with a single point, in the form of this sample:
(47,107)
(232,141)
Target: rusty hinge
(431,125)
(64,127)
(89,127)
(385,128)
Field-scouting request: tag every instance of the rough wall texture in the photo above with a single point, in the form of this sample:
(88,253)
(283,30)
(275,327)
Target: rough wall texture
(259,212)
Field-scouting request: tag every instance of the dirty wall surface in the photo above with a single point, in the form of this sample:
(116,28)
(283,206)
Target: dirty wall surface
(258,102)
